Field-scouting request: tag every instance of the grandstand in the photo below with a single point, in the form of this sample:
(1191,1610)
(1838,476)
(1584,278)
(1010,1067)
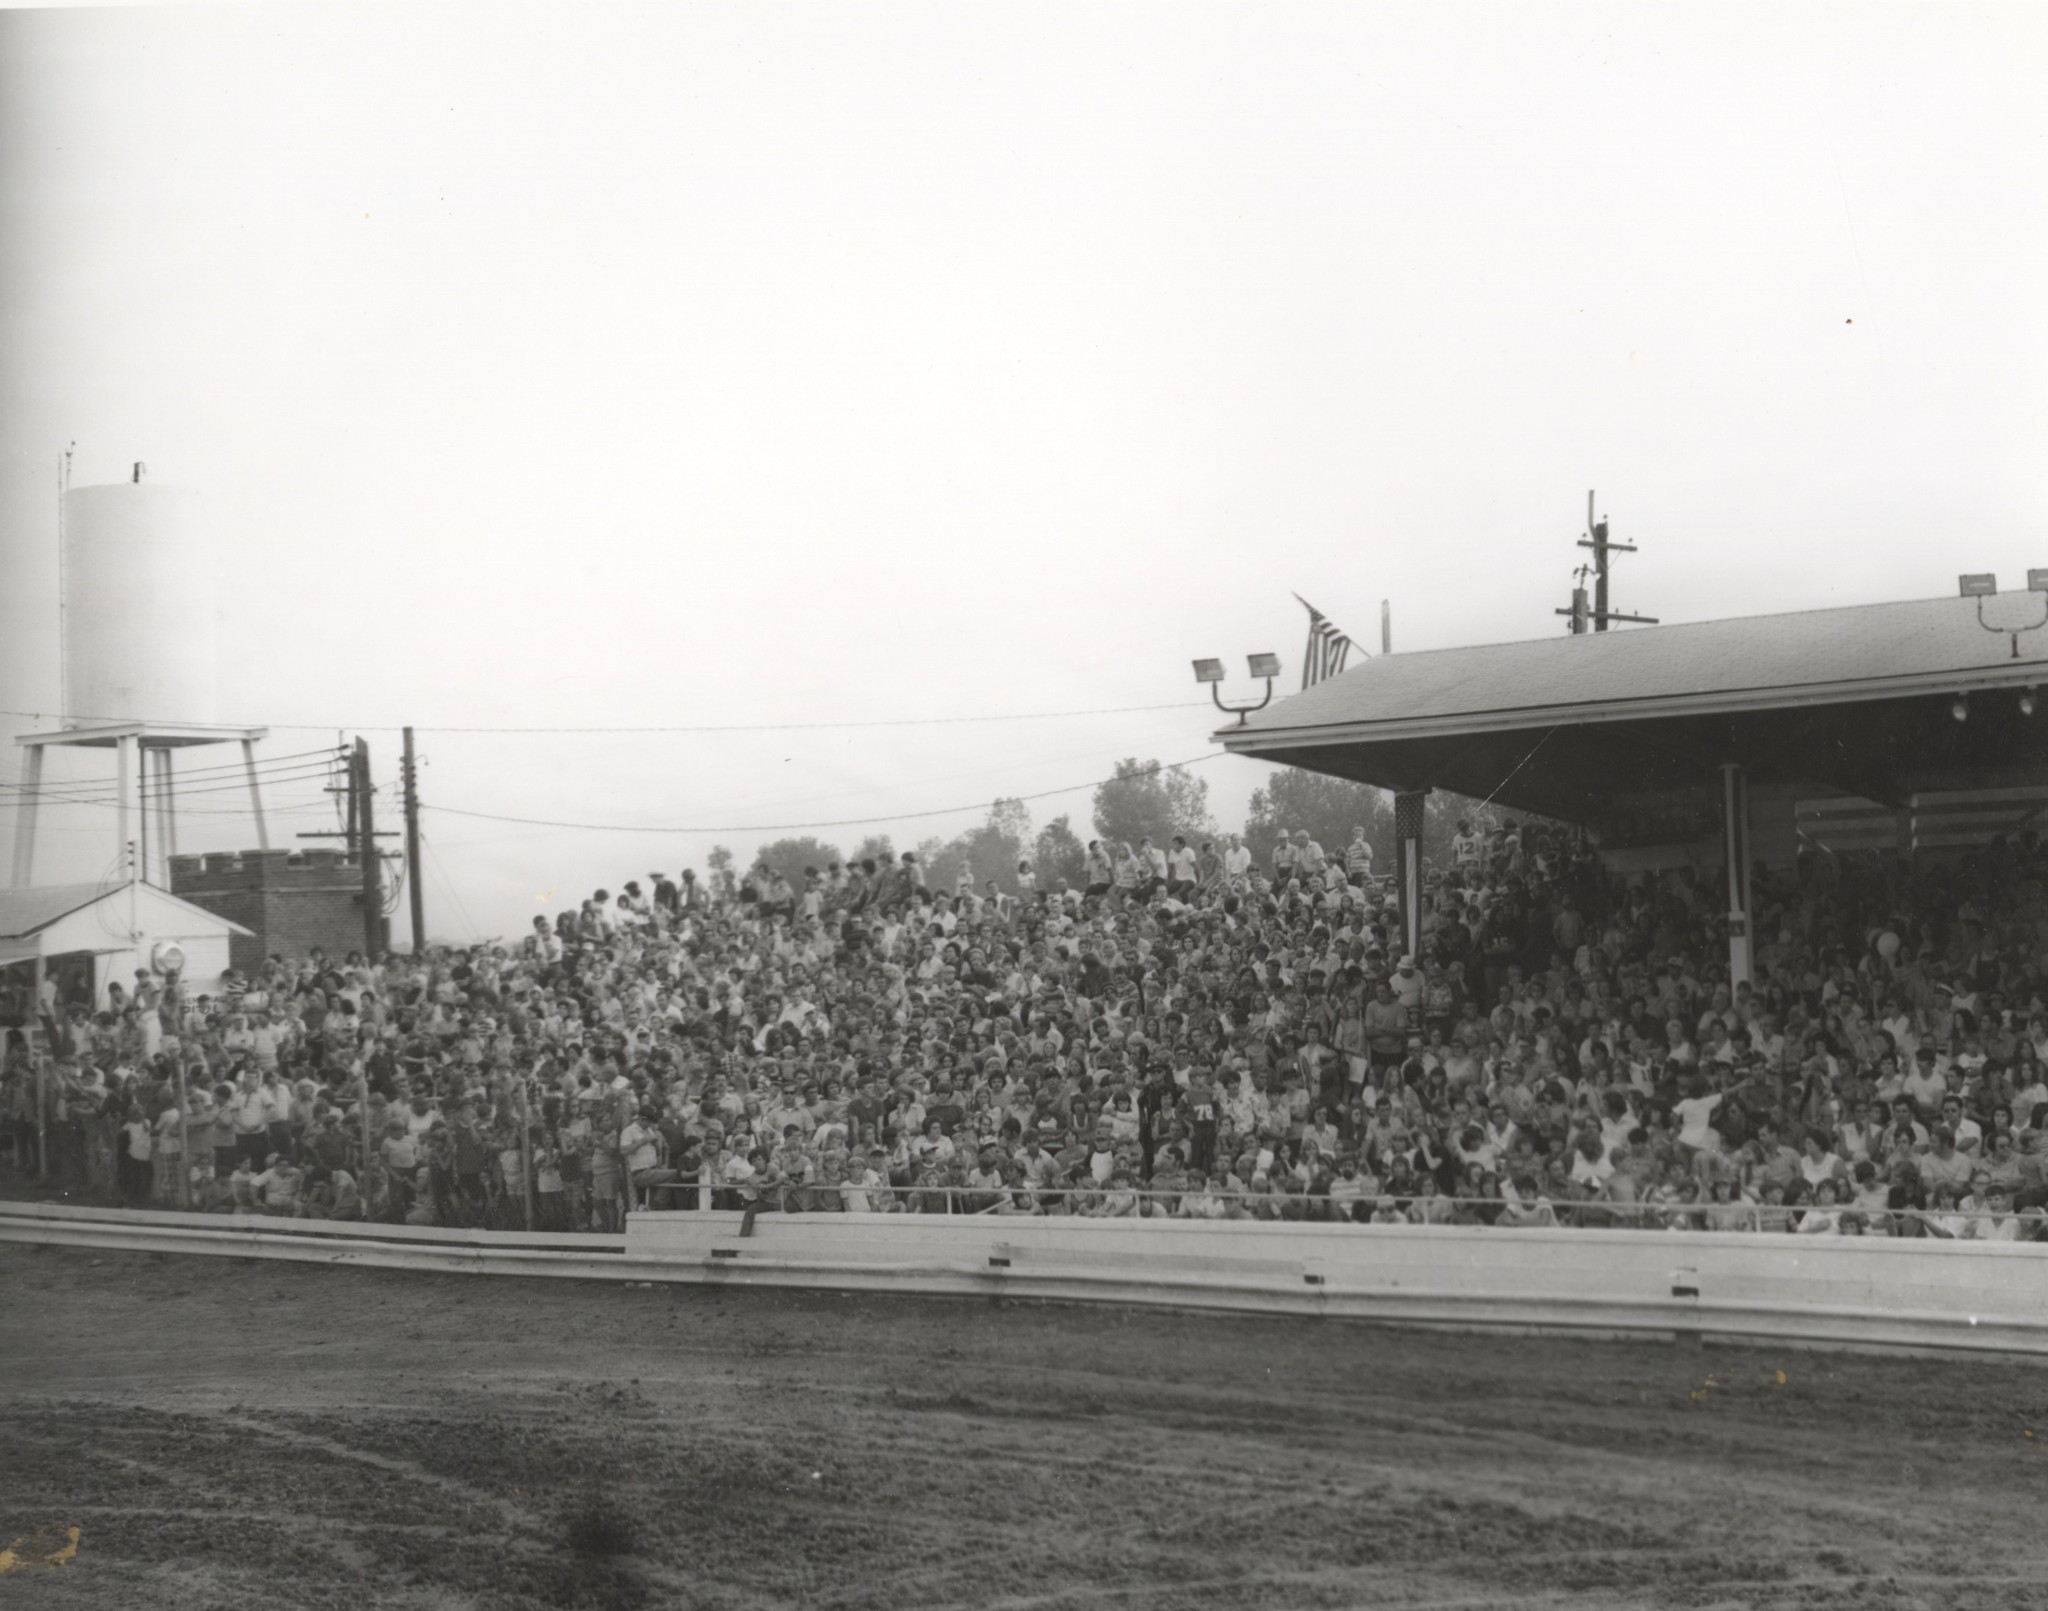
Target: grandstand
(1586,1022)
(1906,727)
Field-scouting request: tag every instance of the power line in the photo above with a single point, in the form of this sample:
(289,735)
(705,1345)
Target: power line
(261,761)
(712,727)
(78,788)
(281,769)
(22,794)
(791,827)
(427,857)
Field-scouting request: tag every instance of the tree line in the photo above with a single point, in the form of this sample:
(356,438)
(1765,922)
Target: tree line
(1142,800)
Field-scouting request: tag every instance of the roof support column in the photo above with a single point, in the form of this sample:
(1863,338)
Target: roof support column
(1736,858)
(1408,815)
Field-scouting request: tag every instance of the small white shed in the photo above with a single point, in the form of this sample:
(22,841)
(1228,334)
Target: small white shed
(83,936)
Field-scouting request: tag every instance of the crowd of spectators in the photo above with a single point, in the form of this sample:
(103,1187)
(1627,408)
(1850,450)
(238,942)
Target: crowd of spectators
(1181,1031)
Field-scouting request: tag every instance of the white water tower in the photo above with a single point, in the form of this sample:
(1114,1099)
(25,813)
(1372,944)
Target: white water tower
(138,625)
(141,605)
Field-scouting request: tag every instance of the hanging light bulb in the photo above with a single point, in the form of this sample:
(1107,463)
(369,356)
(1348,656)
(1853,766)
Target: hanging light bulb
(1960,710)
(2026,702)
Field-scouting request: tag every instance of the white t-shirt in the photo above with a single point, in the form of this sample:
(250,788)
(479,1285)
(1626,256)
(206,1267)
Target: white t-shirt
(1695,1116)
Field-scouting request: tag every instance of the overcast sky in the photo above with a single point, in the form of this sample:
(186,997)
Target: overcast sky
(608,365)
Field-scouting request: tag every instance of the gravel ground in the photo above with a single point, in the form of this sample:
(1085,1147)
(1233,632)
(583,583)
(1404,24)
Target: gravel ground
(228,1432)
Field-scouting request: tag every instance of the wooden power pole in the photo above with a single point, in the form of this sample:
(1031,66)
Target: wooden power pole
(415,889)
(1599,615)
(373,882)
(361,836)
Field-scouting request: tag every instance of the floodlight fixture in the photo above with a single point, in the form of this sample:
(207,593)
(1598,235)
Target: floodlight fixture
(2008,628)
(1977,584)
(1262,665)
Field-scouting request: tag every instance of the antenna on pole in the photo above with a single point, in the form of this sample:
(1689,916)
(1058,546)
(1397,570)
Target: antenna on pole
(1603,547)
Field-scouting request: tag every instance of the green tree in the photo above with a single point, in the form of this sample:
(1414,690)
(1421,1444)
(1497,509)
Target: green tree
(1058,853)
(941,860)
(1330,807)
(993,849)
(1327,807)
(877,845)
(790,857)
(990,850)
(1145,800)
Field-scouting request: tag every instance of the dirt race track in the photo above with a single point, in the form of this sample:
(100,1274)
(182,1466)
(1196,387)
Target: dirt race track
(238,1433)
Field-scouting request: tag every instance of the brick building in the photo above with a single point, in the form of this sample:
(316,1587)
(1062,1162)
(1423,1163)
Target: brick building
(289,900)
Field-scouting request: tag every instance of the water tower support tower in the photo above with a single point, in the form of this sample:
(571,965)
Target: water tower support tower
(133,742)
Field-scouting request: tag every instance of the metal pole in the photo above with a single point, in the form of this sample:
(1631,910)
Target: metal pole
(525,1146)
(25,816)
(167,816)
(142,811)
(413,883)
(1410,807)
(43,1119)
(184,1134)
(1386,626)
(1735,853)
(124,792)
(363,1108)
(373,892)
(255,795)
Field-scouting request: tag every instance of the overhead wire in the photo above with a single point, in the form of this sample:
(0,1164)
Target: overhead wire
(16,795)
(210,785)
(260,765)
(86,790)
(447,885)
(791,827)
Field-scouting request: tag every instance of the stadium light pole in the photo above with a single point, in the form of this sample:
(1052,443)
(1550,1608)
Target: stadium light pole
(1262,665)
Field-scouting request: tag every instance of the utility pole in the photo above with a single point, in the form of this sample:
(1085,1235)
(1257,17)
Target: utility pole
(373,884)
(354,782)
(414,890)
(1596,538)
(361,836)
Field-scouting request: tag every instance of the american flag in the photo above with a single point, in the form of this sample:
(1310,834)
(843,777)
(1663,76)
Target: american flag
(1327,647)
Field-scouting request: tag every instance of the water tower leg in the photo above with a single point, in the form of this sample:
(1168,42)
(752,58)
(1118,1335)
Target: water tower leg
(123,788)
(255,795)
(25,816)
(169,812)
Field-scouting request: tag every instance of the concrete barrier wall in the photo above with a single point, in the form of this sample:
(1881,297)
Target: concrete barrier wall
(1912,1293)
(1847,1291)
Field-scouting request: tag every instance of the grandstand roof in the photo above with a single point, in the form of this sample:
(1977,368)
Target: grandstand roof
(1854,700)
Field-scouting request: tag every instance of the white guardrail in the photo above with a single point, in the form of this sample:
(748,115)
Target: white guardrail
(1848,1291)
